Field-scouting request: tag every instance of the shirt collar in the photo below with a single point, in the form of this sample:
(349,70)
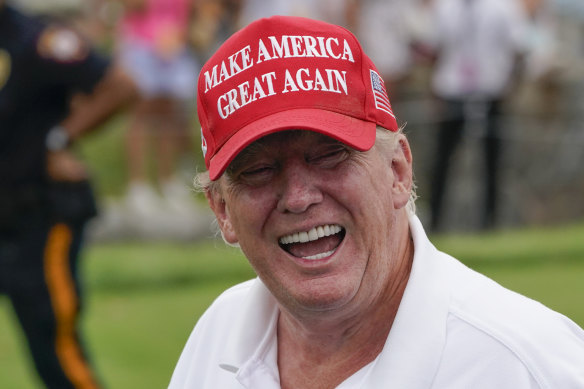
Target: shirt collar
(251,333)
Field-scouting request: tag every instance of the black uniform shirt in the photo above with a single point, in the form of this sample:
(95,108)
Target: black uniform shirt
(41,66)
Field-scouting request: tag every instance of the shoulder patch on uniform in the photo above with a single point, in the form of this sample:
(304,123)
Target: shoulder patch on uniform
(5,67)
(62,44)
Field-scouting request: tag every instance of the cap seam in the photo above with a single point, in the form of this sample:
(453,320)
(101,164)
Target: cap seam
(366,86)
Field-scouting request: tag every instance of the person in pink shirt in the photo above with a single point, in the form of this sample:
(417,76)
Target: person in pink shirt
(154,48)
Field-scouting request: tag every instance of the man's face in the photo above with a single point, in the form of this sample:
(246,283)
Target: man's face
(317,220)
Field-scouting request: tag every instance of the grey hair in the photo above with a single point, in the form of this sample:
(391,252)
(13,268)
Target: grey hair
(384,138)
(389,141)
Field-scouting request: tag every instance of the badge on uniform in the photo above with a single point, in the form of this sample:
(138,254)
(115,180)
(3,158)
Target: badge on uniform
(5,65)
(62,45)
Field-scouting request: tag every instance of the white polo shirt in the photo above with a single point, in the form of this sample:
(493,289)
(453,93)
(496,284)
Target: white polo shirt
(455,329)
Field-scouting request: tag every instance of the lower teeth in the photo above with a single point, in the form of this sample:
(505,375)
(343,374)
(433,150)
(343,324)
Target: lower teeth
(321,255)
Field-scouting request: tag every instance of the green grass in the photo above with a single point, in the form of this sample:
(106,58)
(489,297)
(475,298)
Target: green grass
(142,302)
(546,264)
(143,299)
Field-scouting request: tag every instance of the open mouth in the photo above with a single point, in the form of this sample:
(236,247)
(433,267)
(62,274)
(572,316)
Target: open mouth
(316,243)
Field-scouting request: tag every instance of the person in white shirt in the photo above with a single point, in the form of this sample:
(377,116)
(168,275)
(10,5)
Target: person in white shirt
(477,45)
(384,31)
(311,176)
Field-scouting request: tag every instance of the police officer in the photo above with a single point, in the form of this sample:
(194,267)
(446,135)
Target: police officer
(53,88)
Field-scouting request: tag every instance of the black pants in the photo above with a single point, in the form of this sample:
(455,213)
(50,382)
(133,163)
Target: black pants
(38,273)
(454,117)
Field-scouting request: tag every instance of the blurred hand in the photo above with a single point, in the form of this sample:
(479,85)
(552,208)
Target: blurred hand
(64,166)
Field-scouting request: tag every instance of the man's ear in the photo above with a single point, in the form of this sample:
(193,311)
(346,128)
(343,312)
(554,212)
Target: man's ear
(402,167)
(219,208)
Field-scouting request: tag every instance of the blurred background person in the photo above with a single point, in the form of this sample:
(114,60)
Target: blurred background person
(477,46)
(153,46)
(256,9)
(334,11)
(383,28)
(54,87)
(542,62)
(213,21)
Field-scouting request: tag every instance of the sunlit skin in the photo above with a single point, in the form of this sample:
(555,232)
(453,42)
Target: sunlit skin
(330,306)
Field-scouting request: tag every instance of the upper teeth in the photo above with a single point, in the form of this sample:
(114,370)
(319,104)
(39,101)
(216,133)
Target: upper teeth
(313,234)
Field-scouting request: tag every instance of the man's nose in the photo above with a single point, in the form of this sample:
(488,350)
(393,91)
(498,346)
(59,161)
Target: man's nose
(298,188)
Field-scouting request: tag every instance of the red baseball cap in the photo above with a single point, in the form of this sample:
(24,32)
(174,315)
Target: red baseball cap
(283,73)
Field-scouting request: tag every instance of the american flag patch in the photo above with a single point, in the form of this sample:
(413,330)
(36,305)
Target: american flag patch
(380,94)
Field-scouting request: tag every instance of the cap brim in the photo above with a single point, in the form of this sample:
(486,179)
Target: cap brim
(358,134)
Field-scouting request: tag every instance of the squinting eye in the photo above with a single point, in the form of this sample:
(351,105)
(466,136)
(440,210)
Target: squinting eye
(256,175)
(329,156)
(256,171)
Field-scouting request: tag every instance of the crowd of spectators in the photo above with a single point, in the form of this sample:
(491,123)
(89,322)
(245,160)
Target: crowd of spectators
(424,65)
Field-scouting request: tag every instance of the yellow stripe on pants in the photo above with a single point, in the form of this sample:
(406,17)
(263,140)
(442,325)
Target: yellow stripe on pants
(64,301)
